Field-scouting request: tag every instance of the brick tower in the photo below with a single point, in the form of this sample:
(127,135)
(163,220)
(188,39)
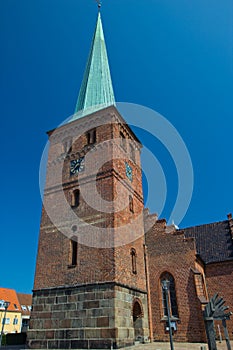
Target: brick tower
(90,281)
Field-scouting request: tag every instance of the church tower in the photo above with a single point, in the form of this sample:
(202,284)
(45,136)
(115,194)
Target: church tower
(90,283)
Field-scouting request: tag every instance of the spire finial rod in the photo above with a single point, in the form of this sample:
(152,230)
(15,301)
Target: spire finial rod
(99,4)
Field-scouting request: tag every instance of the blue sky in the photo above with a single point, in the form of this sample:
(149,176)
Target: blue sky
(175,57)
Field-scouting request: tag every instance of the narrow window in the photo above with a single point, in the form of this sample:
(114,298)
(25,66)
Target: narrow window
(91,137)
(75,199)
(15,320)
(134,263)
(132,152)
(172,302)
(94,136)
(6,320)
(131,204)
(74,251)
(123,140)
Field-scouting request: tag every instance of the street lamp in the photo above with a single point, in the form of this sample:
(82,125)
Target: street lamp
(165,285)
(5,305)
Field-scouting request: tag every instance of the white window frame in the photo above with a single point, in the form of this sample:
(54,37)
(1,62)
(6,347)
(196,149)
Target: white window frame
(6,320)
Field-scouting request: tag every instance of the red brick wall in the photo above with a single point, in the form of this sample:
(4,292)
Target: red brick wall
(94,264)
(170,252)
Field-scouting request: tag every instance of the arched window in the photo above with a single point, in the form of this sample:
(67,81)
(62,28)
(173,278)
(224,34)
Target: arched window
(133,258)
(75,198)
(172,302)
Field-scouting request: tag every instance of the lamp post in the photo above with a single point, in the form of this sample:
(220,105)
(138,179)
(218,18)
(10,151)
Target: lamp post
(165,285)
(6,305)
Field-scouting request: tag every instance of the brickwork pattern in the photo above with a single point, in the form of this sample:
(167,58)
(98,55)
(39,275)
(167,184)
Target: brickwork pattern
(79,317)
(171,252)
(89,304)
(114,264)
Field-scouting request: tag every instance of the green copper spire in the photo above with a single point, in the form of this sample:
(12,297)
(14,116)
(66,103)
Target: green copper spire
(96,91)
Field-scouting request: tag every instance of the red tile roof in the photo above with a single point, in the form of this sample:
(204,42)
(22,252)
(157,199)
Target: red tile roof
(11,296)
(213,241)
(25,300)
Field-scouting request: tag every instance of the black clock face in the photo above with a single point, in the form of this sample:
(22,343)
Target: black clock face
(129,171)
(76,166)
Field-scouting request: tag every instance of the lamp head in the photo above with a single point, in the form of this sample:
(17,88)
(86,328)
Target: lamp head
(165,284)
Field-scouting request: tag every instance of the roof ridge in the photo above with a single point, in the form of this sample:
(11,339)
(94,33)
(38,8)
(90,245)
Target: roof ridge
(201,225)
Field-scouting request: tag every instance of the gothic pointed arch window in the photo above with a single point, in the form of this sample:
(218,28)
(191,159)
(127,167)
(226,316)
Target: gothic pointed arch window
(172,301)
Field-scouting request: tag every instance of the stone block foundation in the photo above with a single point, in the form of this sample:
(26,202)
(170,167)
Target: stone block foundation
(97,316)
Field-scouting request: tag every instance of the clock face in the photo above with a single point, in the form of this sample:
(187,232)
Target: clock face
(76,166)
(129,171)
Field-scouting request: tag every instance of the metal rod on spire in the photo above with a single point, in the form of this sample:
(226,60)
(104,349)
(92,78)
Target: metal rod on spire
(99,4)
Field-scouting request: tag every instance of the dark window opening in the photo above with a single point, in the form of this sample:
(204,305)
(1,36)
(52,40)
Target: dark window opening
(15,320)
(172,302)
(74,251)
(75,199)
(137,311)
(134,263)
(138,321)
(91,137)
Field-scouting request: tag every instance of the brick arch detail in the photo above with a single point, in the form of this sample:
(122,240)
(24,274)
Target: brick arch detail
(135,301)
(168,272)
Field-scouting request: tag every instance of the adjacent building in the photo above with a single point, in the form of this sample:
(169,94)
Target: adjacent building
(19,307)
(198,262)
(25,301)
(10,317)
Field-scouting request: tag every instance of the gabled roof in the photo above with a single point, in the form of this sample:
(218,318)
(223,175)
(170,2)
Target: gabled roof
(25,300)
(213,241)
(11,296)
(96,91)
